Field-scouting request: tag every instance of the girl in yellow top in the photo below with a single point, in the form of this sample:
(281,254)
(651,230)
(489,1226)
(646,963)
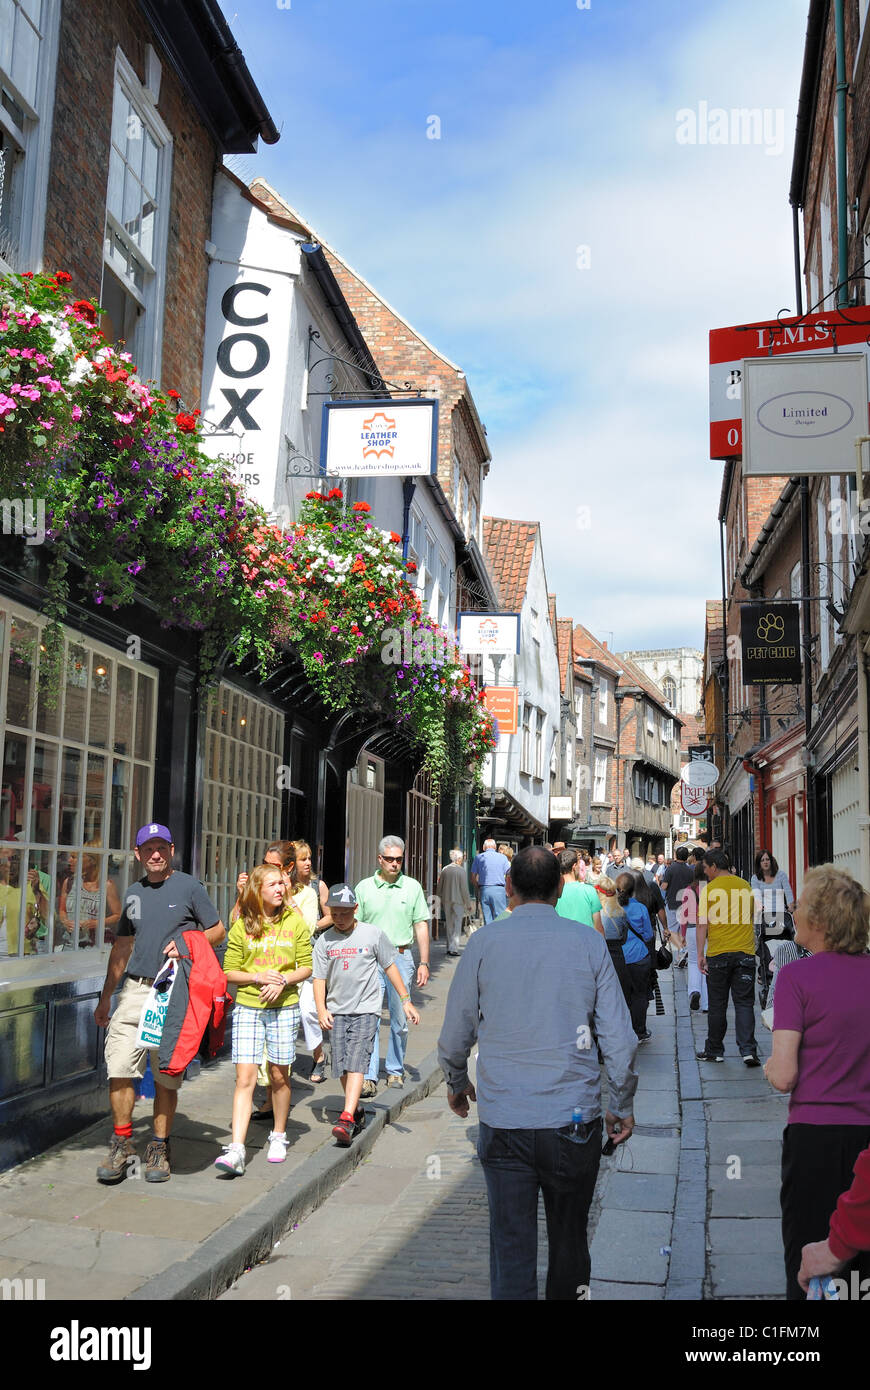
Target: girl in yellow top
(268,954)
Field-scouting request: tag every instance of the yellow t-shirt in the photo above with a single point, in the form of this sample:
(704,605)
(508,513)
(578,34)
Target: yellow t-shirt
(727,905)
(285,946)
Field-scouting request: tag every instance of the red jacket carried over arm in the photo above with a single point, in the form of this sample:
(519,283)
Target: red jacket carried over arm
(200,985)
(850,1224)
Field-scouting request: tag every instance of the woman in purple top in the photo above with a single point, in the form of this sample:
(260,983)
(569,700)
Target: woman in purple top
(821,1056)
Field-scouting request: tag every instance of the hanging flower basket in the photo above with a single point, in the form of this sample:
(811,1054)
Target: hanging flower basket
(113,468)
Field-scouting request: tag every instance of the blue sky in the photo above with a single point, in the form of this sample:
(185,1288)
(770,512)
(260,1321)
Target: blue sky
(557,242)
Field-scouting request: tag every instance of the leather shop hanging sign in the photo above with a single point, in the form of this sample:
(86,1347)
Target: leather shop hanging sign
(770,638)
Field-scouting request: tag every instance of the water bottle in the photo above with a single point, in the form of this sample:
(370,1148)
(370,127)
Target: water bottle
(577,1132)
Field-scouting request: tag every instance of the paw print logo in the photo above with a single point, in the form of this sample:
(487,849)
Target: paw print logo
(771,627)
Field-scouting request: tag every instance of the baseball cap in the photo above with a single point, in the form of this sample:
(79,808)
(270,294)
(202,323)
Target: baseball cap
(341,895)
(154,832)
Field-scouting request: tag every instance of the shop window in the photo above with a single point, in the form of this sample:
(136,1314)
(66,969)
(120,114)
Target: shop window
(241,795)
(28,48)
(74,789)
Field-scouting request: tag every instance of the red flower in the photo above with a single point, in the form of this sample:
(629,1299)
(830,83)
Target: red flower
(335,494)
(358,566)
(173,395)
(361,507)
(63,277)
(186,423)
(396,539)
(27,275)
(314,497)
(411,567)
(84,311)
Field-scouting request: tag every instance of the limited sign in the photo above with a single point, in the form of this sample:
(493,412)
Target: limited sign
(489,634)
(502,703)
(801,415)
(730,346)
(364,439)
(770,638)
(561,808)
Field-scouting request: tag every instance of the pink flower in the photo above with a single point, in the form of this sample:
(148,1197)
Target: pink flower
(50,384)
(126,417)
(30,393)
(7,404)
(47,424)
(77,412)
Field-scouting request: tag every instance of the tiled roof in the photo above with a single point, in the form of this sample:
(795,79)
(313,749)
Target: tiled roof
(693,730)
(588,647)
(564,628)
(713,631)
(508,548)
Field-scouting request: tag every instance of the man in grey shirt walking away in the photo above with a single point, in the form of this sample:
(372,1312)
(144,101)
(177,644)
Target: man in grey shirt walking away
(536,994)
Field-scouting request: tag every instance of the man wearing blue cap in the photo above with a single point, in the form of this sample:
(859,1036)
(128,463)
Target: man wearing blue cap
(158,907)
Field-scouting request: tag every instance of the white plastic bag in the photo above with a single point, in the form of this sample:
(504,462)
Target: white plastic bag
(153,1015)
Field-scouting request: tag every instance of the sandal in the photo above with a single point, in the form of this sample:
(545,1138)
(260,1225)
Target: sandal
(317,1077)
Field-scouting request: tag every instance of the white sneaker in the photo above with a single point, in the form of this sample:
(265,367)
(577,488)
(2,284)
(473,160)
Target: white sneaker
(232,1160)
(277,1147)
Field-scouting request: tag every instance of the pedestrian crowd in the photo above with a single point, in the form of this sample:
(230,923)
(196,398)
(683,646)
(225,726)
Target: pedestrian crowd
(570,948)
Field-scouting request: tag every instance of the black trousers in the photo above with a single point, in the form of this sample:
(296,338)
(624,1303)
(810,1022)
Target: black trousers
(516,1164)
(619,965)
(731,973)
(817,1163)
(640,979)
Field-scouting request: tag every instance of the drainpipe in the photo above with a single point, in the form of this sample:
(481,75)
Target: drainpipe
(796,242)
(842,88)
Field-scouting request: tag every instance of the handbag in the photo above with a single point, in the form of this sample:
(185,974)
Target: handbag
(660,957)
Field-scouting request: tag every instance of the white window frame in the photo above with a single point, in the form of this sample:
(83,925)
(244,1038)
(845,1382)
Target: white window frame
(148,350)
(578,708)
(62,739)
(599,788)
(603,692)
(241,798)
(34,141)
(826,232)
(650,718)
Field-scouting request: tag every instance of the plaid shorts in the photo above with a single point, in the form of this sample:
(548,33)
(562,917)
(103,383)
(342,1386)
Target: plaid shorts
(274,1029)
(353,1037)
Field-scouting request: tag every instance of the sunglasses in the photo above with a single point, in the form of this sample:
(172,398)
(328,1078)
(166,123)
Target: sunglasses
(392,858)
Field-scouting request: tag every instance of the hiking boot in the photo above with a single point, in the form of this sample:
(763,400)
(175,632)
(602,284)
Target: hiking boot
(157,1161)
(114,1167)
(344,1132)
(397,1079)
(369,1090)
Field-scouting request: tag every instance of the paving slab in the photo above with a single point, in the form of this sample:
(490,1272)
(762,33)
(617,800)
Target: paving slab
(723,1132)
(640,1192)
(66,1286)
(604,1291)
(756,1273)
(750,1151)
(743,1199)
(734,1237)
(767,1111)
(656,1107)
(631,1241)
(642,1154)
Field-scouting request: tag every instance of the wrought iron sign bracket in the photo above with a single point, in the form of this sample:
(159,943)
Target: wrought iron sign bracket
(375,382)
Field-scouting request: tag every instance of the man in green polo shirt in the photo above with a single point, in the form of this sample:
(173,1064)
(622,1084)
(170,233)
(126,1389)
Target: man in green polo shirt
(395,903)
(579,902)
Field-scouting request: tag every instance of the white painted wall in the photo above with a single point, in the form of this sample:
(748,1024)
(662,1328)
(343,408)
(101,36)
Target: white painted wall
(536,673)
